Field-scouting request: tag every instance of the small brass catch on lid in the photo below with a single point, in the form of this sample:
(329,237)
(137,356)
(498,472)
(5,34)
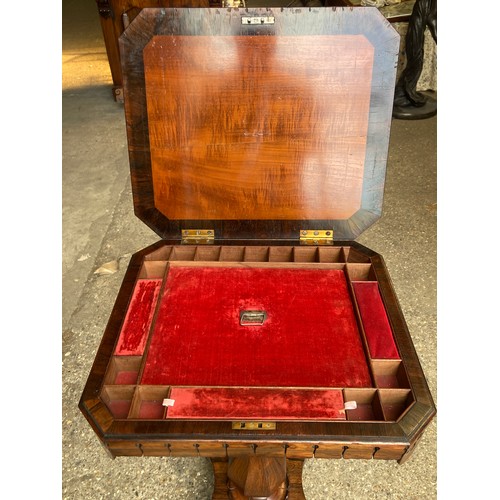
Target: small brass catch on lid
(252,318)
(254,426)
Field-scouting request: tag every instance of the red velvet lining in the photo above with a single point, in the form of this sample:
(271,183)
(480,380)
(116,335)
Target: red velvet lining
(151,409)
(135,328)
(310,338)
(119,407)
(261,404)
(375,322)
(126,377)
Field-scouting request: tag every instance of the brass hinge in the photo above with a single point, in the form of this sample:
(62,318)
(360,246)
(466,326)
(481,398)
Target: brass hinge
(316,237)
(198,236)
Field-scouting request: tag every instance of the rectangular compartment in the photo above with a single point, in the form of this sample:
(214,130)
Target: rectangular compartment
(256,254)
(140,312)
(378,331)
(153,269)
(390,373)
(305,254)
(281,254)
(231,254)
(207,253)
(123,370)
(360,272)
(162,253)
(368,405)
(331,254)
(395,402)
(250,403)
(352,255)
(118,399)
(148,402)
(183,253)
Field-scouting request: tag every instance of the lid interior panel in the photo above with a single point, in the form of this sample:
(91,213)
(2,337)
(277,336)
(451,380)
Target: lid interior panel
(272,127)
(259,131)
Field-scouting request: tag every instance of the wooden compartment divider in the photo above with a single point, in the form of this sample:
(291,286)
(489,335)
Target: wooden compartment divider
(232,254)
(153,269)
(368,404)
(305,254)
(123,370)
(281,254)
(118,399)
(390,373)
(385,401)
(395,402)
(148,402)
(360,272)
(331,254)
(163,253)
(256,254)
(208,252)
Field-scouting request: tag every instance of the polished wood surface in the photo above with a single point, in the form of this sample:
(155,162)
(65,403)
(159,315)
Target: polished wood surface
(225,185)
(258,127)
(257,477)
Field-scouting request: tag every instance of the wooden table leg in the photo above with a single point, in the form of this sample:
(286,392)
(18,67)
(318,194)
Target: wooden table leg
(252,478)
(294,476)
(221,491)
(110,16)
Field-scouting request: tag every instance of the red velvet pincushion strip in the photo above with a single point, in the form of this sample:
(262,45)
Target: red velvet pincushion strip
(251,403)
(135,328)
(310,338)
(375,322)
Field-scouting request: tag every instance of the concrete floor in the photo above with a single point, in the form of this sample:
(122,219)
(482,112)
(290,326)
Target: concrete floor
(99,227)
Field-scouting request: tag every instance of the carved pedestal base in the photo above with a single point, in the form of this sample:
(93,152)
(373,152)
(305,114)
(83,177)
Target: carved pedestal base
(258,478)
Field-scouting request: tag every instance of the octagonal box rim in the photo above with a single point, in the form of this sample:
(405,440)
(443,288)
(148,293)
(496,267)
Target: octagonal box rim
(406,429)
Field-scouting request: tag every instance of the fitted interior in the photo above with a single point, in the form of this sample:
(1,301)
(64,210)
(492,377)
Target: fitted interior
(320,338)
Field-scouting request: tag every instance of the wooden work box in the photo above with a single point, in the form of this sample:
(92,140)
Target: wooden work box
(257,332)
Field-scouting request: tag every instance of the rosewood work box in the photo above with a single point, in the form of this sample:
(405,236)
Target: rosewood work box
(257,332)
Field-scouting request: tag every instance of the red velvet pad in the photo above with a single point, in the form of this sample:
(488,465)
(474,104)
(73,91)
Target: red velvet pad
(375,322)
(151,409)
(237,403)
(119,408)
(135,328)
(310,338)
(126,377)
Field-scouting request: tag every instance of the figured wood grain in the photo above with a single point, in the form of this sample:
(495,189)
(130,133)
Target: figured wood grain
(226,25)
(259,477)
(220,479)
(258,127)
(294,476)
